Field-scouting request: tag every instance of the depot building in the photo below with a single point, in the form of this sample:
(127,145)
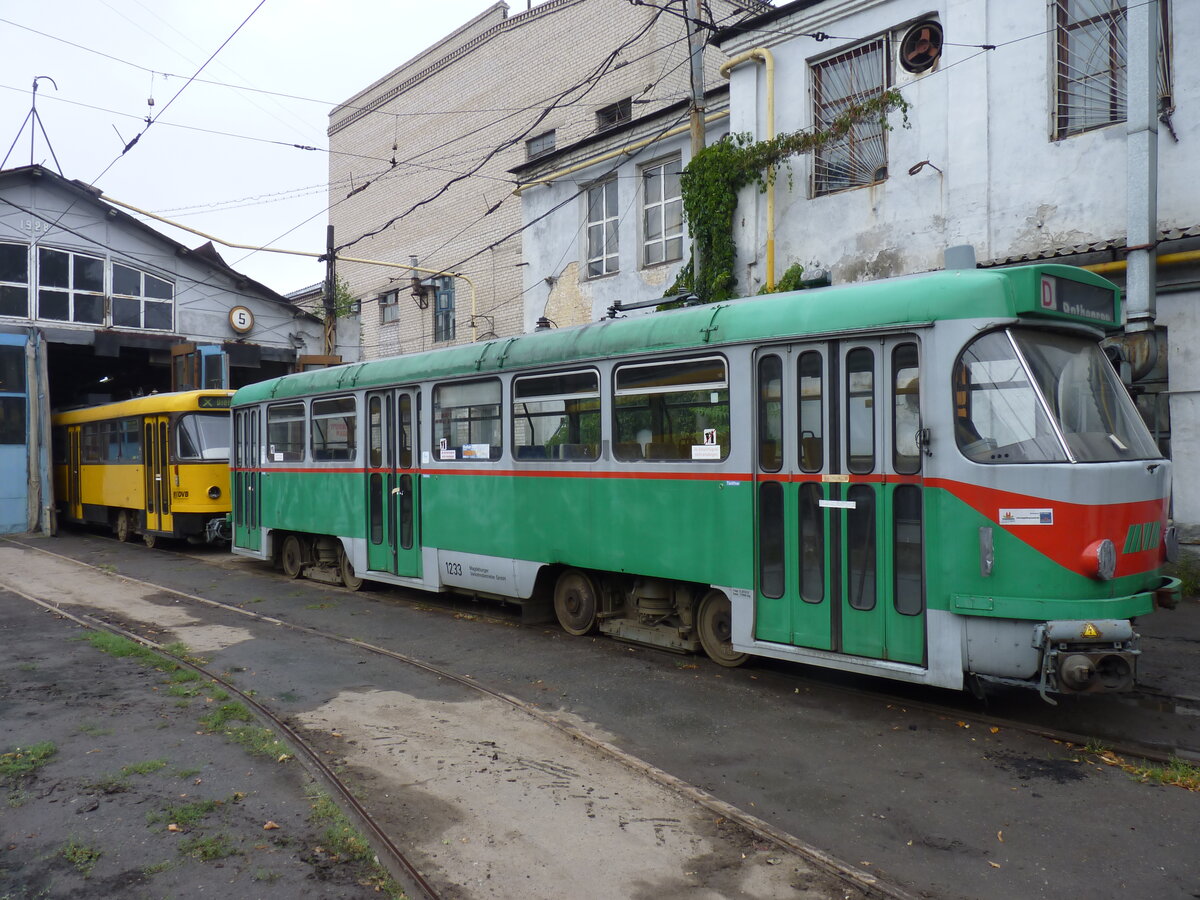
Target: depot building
(96,306)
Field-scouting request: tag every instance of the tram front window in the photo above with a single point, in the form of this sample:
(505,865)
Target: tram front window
(203,436)
(1032,396)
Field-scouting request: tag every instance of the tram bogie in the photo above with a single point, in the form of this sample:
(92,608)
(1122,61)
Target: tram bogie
(936,479)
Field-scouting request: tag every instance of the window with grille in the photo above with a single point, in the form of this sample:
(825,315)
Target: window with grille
(1091,60)
(614,114)
(603,221)
(389,307)
(443,309)
(662,213)
(840,82)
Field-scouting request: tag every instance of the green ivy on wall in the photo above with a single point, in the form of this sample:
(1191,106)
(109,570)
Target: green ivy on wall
(711,181)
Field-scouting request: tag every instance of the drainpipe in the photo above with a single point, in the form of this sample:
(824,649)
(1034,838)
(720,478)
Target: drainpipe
(1142,166)
(763,55)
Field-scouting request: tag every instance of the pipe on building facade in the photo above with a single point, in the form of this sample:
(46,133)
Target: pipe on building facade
(763,55)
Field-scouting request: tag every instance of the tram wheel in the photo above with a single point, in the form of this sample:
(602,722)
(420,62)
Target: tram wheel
(349,579)
(151,540)
(715,624)
(124,526)
(291,556)
(575,602)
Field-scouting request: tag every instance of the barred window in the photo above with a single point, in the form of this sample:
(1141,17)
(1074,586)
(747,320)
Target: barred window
(1091,60)
(843,81)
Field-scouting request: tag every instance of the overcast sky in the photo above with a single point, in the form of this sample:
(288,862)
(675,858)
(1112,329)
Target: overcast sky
(219,157)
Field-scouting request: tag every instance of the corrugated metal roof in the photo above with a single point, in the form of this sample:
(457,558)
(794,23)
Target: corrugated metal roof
(1110,245)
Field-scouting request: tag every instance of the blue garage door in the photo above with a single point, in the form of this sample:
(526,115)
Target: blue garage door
(14,457)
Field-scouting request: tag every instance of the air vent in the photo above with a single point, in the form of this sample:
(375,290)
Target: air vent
(921,47)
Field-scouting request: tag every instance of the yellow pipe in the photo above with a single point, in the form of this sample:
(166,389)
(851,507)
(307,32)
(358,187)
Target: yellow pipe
(371,262)
(625,150)
(764,55)
(1167,259)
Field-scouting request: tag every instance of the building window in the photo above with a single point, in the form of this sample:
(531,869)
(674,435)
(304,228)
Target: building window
(389,307)
(443,309)
(859,158)
(70,287)
(662,213)
(602,223)
(14,280)
(614,114)
(141,300)
(540,145)
(1091,59)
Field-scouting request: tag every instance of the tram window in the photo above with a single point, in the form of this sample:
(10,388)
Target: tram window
(860,410)
(770,413)
(557,417)
(860,541)
(406,435)
(906,410)
(285,432)
(770,540)
(334,429)
(466,420)
(812,445)
(91,449)
(812,544)
(672,411)
(908,591)
(131,440)
(998,417)
(203,436)
(374,444)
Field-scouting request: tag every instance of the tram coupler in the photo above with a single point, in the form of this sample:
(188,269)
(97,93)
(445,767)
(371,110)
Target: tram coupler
(1092,656)
(218,530)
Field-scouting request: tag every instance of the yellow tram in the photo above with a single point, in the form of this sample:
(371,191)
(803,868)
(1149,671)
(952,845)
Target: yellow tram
(156,466)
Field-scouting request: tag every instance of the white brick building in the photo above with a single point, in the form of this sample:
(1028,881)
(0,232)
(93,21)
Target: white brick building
(420,160)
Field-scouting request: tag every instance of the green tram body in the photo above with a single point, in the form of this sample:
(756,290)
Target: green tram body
(812,480)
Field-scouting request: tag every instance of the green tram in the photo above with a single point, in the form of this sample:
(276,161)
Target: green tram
(934,479)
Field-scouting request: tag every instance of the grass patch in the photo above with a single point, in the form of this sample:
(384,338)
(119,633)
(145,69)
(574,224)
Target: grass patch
(156,868)
(21,761)
(144,768)
(320,605)
(224,714)
(264,875)
(94,730)
(185,815)
(15,799)
(187,773)
(81,856)
(124,648)
(340,836)
(183,676)
(186,691)
(1176,773)
(209,847)
(258,740)
(28,667)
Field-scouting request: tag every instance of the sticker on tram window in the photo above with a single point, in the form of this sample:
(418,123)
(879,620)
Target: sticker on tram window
(1026,517)
(706,451)
(448,454)
(477,451)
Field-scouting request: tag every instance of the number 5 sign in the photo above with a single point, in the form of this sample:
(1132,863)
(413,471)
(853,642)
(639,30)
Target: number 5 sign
(241,319)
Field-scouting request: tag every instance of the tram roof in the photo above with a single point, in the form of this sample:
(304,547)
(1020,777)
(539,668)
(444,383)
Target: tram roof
(151,404)
(894,302)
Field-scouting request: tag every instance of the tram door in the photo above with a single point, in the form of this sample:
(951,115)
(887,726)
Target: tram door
(74,461)
(247,532)
(839,500)
(393,483)
(156,430)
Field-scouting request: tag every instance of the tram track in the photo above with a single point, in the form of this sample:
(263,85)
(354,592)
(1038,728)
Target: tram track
(391,856)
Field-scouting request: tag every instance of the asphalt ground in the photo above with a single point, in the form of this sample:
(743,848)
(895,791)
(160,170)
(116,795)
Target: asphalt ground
(944,809)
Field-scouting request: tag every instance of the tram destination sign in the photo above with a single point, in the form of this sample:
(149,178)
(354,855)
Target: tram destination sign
(1074,298)
(205,402)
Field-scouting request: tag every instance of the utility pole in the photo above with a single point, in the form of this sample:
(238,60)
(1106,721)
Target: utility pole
(330,294)
(696,48)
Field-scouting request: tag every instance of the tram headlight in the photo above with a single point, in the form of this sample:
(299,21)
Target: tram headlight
(214,493)
(1100,559)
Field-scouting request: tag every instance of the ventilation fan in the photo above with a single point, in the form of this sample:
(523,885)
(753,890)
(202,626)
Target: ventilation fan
(921,47)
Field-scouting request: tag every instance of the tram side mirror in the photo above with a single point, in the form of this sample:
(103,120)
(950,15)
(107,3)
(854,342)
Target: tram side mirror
(924,439)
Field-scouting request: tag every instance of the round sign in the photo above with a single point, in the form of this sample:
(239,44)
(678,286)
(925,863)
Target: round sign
(241,319)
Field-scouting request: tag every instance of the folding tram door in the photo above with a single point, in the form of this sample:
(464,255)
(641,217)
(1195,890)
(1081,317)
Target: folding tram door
(393,483)
(156,449)
(247,466)
(74,479)
(839,511)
